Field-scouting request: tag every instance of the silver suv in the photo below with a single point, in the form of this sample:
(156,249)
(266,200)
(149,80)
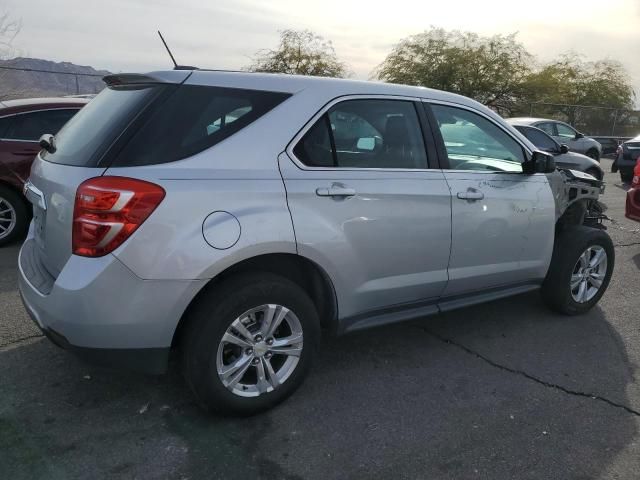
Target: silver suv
(236,215)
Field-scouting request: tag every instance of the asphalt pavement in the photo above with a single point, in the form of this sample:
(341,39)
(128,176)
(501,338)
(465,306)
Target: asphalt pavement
(504,390)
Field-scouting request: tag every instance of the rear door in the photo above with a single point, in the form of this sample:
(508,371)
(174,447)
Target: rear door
(502,220)
(368,206)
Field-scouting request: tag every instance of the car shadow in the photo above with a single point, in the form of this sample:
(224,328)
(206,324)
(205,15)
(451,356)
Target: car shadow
(502,390)
(623,186)
(636,260)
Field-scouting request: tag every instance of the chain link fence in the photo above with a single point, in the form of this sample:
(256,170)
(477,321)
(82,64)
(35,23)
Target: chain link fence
(19,82)
(592,121)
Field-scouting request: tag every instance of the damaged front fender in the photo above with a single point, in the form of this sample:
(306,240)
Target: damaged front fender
(576,196)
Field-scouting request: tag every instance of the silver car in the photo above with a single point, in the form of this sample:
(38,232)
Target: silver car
(564,133)
(564,158)
(235,216)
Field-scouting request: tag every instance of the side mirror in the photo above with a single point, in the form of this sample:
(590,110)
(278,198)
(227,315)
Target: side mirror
(564,148)
(540,162)
(47,143)
(579,135)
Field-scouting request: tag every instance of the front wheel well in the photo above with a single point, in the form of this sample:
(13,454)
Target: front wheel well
(300,270)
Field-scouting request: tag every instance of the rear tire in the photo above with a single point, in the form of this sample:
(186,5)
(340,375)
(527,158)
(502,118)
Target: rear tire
(236,309)
(14,216)
(567,273)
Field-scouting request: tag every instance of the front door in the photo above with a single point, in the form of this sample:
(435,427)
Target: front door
(503,220)
(367,208)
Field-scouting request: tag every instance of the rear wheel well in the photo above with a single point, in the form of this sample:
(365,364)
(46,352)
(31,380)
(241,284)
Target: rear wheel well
(305,273)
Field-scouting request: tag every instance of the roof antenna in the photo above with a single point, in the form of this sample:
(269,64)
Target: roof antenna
(176,66)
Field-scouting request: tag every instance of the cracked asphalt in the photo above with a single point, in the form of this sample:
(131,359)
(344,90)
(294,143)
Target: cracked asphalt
(498,391)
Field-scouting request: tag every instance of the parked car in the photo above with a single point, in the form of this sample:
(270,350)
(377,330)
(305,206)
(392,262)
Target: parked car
(627,155)
(563,157)
(21,124)
(235,215)
(632,207)
(564,133)
(610,145)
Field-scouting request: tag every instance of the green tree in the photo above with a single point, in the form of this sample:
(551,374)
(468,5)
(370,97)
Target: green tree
(491,70)
(570,80)
(300,52)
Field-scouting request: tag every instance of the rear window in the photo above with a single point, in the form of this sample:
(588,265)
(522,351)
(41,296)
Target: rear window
(192,119)
(85,138)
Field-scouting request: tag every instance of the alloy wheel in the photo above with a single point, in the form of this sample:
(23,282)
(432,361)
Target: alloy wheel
(7,218)
(259,350)
(588,274)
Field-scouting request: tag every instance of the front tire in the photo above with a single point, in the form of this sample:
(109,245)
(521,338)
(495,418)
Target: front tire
(249,343)
(580,271)
(14,216)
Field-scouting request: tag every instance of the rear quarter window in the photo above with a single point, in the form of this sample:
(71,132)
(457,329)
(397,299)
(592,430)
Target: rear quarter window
(192,119)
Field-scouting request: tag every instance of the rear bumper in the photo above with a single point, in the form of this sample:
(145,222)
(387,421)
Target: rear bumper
(100,310)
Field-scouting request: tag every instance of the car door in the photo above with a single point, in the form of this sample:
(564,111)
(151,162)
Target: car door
(19,143)
(502,219)
(367,206)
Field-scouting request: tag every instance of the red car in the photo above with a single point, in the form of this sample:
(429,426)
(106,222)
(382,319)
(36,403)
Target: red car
(22,122)
(632,209)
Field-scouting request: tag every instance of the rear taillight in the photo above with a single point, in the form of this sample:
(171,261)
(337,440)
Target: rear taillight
(108,210)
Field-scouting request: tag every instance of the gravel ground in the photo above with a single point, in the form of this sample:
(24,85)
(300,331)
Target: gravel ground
(502,390)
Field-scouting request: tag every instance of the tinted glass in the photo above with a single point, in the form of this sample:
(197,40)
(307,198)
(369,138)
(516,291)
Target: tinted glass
(192,119)
(85,138)
(31,126)
(365,134)
(314,149)
(565,131)
(475,143)
(539,139)
(5,122)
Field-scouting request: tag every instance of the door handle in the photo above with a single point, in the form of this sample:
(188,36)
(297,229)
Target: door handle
(471,194)
(335,191)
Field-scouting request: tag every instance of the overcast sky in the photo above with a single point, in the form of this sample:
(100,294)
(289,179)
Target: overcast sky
(120,35)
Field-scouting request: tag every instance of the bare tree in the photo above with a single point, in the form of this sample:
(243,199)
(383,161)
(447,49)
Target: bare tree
(300,52)
(9,29)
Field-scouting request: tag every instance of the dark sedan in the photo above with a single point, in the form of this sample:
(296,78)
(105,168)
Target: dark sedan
(563,157)
(626,158)
(22,122)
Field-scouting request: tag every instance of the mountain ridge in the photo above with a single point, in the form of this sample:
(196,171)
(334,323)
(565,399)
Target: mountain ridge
(24,77)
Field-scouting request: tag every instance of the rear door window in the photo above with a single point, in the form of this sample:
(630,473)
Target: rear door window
(5,123)
(365,134)
(32,125)
(192,119)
